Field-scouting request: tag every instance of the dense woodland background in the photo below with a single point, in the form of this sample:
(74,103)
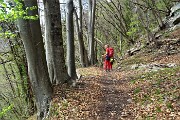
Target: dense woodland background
(44,42)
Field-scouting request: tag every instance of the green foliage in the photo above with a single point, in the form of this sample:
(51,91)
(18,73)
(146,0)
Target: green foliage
(133,26)
(137,90)
(9,13)
(159,90)
(134,60)
(18,97)
(15,68)
(7,34)
(5,110)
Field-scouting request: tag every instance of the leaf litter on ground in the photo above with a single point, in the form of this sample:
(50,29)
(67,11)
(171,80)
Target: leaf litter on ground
(118,95)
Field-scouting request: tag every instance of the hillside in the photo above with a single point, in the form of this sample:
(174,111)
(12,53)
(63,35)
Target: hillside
(142,86)
(52,54)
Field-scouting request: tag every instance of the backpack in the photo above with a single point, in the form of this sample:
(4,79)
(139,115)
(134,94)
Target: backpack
(111,52)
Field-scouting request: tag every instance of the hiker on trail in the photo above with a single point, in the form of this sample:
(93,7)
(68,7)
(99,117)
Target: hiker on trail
(108,56)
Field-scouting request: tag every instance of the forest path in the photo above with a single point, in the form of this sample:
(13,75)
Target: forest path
(98,95)
(114,97)
(124,94)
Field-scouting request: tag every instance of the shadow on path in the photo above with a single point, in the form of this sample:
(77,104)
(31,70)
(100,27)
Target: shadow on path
(113,99)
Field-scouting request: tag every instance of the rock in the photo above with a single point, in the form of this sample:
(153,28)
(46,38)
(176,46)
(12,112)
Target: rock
(170,65)
(157,36)
(174,9)
(119,68)
(177,20)
(155,68)
(129,100)
(135,66)
(142,76)
(142,66)
(174,17)
(132,51)
(175,27)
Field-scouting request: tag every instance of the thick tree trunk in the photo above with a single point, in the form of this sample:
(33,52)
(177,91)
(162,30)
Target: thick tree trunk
(54,42)
(92,8)
(30,32)
(70,40)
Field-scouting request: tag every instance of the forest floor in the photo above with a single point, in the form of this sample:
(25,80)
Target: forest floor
(140,87)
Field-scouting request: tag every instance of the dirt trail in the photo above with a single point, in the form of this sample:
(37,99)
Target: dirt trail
(98,96)
(102,95)
(113,98)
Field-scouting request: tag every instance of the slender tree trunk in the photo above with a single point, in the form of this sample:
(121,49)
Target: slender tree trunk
(82,49)
(8,77)
(120,44)
(54,42)
(30,32)
(158,14)
(85,55)
(81,43)
(92,8)
(70,40)
(146,25)
(95,51)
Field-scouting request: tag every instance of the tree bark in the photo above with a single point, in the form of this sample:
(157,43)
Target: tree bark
(92,8)
(82,49)
(30,32)
(70,40)
(157,13)
(145,23)
(54,42)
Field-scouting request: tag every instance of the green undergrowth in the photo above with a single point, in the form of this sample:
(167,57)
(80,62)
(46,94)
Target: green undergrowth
(157,93)
(141,58)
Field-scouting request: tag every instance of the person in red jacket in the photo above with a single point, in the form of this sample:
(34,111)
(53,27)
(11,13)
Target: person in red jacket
(111,55)
(107,63)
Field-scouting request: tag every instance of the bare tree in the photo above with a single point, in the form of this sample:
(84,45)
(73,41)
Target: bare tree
(70,40)
(91,22)
(113,14)
(54,42)
(156,13)
(30,32)
(79,29)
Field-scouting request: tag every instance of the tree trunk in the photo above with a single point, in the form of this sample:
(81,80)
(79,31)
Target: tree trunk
(92,8)
(145,23)
(54,42)
(70,40)
(82,49)
(30,32)
(158,14)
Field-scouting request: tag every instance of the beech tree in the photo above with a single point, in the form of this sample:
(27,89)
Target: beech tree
(70,39)
(30,32)
(79,29)
(91,22)
(54,42)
